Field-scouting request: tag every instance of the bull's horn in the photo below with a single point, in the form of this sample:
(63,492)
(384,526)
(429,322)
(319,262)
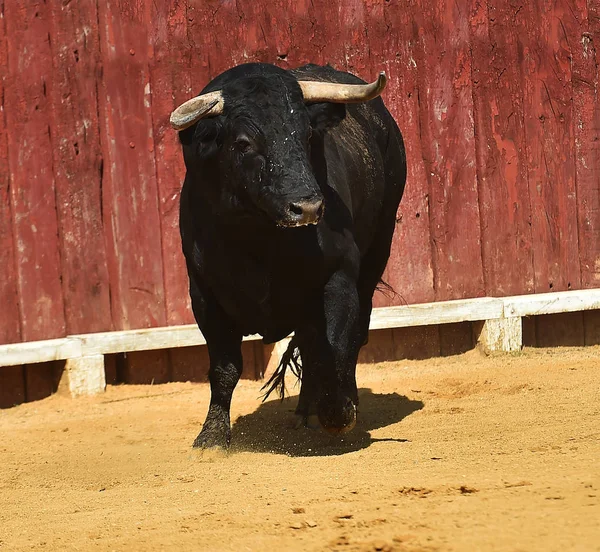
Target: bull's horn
(190,112)
(316,91)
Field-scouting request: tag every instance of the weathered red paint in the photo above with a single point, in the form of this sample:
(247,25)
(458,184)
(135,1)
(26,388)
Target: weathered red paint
(410,269)
(501,150)
(129,194)
(12,382)
(10,329)
(170,86)
(497,101)
(448,144)
(586,100)
(28,85)
(548,113)
(77,158)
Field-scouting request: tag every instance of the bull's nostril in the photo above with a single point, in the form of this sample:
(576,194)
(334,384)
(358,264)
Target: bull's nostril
(295,209)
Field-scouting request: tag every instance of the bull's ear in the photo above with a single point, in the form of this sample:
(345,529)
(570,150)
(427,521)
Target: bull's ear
(324,116)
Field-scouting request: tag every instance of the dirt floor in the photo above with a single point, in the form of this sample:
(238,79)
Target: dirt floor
(460,453)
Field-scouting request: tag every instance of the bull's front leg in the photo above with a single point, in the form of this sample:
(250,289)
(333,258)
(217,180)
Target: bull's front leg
(339,349)
(225,352)
(224,373)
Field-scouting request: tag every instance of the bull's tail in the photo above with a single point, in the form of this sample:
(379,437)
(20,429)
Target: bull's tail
(290,359)
(384,288)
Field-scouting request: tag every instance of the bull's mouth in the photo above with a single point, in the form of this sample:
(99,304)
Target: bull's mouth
(294,224)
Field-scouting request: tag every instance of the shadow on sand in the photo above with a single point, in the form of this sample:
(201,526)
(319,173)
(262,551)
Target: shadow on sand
(271,427)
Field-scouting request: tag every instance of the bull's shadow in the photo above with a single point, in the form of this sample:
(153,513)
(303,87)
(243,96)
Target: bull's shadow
(271,427)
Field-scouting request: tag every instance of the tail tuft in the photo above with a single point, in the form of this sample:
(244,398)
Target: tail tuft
(385,289)
(290,359)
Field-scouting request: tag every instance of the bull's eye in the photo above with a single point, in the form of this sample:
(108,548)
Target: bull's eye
(243,145)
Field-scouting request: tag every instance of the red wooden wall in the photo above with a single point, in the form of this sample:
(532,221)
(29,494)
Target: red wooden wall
(497,101)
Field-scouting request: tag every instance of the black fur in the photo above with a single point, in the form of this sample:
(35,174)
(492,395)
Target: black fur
(249,271)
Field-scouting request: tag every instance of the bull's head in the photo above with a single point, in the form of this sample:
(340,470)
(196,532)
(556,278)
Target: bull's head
(256,131)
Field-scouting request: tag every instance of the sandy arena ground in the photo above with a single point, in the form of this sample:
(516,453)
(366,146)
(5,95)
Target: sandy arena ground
(461,453)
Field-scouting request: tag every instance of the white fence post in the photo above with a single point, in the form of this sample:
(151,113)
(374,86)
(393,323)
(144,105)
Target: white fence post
(501,334)
(84,375)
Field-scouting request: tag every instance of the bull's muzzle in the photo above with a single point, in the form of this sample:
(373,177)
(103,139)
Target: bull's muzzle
(303,213)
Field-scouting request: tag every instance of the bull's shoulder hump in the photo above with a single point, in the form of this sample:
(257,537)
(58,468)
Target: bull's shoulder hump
(325,73)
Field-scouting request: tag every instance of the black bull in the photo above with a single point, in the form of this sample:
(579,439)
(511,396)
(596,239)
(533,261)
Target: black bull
(287,214)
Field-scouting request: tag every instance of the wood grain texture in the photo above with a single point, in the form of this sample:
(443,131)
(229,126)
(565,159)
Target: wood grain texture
(10,324)
(410,269)
(78,165)
(545,66)
(583,27)
(12,386)
(416,343)
(41,380)
(379,348)
(130,194)
(27,88)
(456,339)
(560,330)
(190,364)
(146,368)
(505,210)
(497,101)
(170,86)
(591,321)
(448,145)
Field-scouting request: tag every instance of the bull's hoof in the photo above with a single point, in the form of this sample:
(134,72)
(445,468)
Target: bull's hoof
(339,416)
(213,434)
(207,440)
(309,422)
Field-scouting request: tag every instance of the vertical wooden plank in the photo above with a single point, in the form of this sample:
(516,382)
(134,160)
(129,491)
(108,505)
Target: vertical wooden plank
(314,33)
(448,143)
(146,367)
(584,38)
(12,386)
(410,269)
(417,343)
(259,29)
(221,31)
(546,75)
(78,165)
(130,195)
(456,339)
(170,84)
(190,364)
(379,348)
(501,150)
(560,330)
(529,339)
(111,369)
(203,27)
(278,36)
(251,363)
(32,190)
(591,321)
(10,324)
(350,54)
(42,379)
